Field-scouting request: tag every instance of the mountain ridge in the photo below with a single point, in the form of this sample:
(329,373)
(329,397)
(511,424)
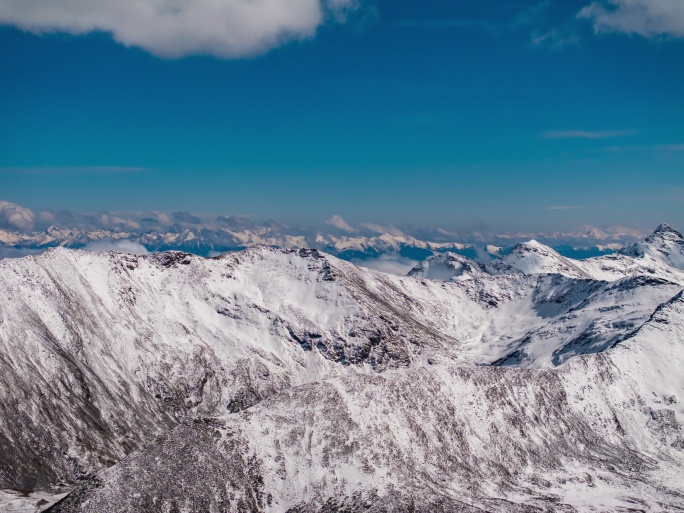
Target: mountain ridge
(104,353)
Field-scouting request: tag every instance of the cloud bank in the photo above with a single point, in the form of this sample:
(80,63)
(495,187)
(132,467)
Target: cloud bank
(117,246)
(648,18)
(175,28)
(23,231)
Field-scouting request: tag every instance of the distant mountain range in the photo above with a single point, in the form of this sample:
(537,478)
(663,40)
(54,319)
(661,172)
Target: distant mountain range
(23,231)
(289,380)
(211,242)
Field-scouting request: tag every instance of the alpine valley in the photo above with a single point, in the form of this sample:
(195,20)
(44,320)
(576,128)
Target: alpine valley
(289,380)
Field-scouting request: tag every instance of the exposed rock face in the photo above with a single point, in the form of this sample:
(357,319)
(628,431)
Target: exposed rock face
(276,380)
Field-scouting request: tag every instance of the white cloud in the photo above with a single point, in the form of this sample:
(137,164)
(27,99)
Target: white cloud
(554,39)
(339,222)
(586,134)
(389,264)
(174,28)
(15,217)
(118,246)
(376,228)
(648,18)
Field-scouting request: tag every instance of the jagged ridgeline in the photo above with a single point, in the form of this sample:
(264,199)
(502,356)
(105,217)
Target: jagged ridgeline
(291,381)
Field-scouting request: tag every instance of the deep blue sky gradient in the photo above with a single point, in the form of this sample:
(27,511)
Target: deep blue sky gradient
(431,114)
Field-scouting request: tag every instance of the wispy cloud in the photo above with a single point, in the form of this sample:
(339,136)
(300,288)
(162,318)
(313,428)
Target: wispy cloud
(567,207)
(75,170)
(587,134)
(672,147)
(649,148)
(555,39)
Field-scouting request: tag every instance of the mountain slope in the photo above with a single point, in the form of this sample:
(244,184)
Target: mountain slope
(102,353)
(604,432)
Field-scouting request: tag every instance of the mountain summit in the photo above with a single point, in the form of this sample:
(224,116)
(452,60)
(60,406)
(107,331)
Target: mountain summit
(532,257)
(665,246)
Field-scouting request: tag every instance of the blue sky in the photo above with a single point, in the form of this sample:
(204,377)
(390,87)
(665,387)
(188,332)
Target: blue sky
(515,116)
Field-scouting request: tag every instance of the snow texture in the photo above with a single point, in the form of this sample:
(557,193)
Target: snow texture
(279,380)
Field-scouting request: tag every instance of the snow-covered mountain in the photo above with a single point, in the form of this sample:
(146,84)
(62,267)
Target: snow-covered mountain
(448,267)
(664,246)
(207,242)
(535,258)
(282,380)
(660,255)
(602,433)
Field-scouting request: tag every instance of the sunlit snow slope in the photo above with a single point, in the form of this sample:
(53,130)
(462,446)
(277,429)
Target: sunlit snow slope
(277,380)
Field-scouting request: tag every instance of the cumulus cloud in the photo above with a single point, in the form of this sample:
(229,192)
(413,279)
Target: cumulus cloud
(175,28)
(118,246)
(15,217)
(338,222)
(648,18)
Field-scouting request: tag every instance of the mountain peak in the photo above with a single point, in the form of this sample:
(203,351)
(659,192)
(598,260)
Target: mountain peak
(533,257)
(667,231)
(532,243)
(448,267)
(665,244)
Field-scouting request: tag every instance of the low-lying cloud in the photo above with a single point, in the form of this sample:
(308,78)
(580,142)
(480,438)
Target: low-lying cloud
(206,234)
(117,246)
(175,28)
(389,264)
